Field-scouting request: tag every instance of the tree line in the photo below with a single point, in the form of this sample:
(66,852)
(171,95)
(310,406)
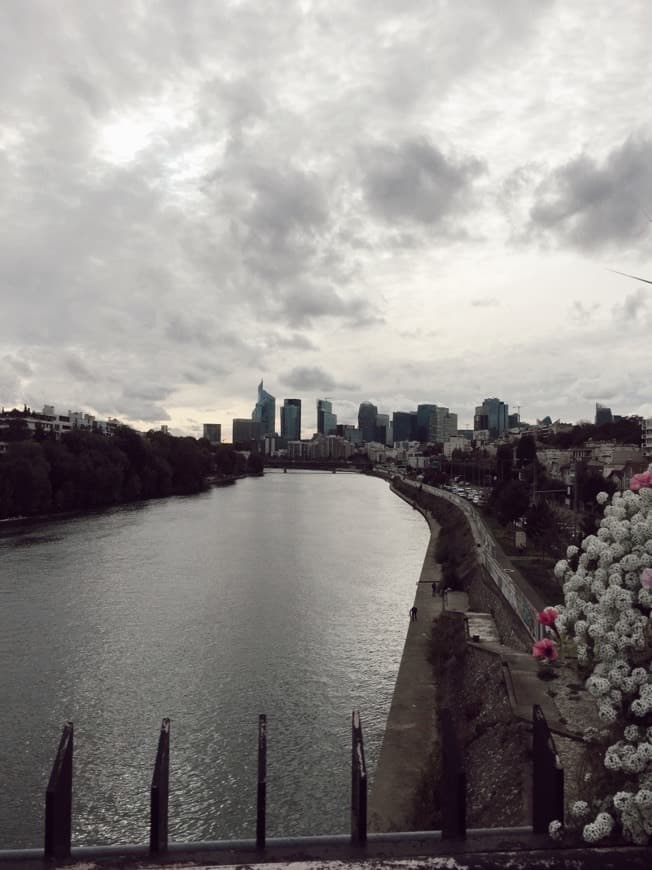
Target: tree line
(86,470)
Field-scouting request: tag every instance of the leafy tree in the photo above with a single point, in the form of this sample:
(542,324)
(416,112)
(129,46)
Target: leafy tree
(591,484)
(541,524)
(526,450)
(255,463)
(504,461)
(16,430)
(511,501)
(26,480)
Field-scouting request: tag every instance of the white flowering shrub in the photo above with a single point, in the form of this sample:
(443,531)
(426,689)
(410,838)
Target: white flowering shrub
(607,587)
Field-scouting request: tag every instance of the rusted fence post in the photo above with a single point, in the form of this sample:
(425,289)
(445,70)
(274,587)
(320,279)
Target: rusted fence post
(453,782)
(158,814)
(547,776)
(58,799)
(358,784)
(261,796)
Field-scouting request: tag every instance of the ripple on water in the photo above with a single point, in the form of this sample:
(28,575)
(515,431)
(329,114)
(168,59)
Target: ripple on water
(286,595)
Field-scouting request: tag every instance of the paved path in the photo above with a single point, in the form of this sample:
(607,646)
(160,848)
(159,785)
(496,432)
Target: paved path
(411,729)
(411,733)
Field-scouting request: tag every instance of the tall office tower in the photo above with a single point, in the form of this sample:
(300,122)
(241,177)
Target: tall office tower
(326,420)
(493,415)
(443,424)
(367,421)
(383,433)
(404,425)
(424,413)
(514,421)
(213,432)
(265,411)
(246,433)
(291,420)
(602,414)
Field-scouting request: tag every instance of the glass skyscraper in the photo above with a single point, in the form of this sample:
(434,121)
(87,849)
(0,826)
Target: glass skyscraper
(326,420)
(291,420)
(367,421)
(265,411)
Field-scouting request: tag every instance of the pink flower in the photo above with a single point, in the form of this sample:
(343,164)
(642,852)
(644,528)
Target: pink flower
(646,578)
(639,481)
(545,649)
(547,616)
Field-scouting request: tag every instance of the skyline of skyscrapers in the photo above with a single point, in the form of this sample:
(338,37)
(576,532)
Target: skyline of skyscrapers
(429,423)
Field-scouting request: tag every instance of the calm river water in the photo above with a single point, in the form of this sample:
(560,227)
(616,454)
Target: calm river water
(286,595)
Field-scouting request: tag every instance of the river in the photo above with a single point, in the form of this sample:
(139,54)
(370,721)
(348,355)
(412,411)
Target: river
(286,595)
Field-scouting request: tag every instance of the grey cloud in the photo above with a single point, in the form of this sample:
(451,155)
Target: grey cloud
(485,302)
(582,312)
(308,378)
(415,181)
(21,367)
(634,304)
(295,341)
(302,305)
(78,368)
(592,205)
(147,392)
(88,93)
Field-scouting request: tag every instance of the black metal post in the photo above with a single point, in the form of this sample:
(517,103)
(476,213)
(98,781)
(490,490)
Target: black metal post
(547,776)
(158,815)
(261,797)
(58,799)
(453,782)
(358,784)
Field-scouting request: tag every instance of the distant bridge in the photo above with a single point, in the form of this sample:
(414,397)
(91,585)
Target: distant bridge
(312,465)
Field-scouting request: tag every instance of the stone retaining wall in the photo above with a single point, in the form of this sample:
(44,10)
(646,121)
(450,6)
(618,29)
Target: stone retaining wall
(469,574)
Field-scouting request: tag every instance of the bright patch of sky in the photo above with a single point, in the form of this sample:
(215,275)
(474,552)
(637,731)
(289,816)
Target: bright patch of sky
(404,201)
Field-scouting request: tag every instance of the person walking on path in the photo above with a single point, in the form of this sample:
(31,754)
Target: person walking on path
(413,614)
(434,588)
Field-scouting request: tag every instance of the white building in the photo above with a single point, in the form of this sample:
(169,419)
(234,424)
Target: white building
(647,436)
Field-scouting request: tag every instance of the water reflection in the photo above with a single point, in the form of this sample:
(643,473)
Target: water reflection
(286,595)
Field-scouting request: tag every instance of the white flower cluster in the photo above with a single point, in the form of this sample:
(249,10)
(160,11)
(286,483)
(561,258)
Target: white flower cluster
(555,830)
(607,611)
(600,828)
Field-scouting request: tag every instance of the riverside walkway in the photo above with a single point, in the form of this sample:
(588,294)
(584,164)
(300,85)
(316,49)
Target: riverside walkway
(412,731)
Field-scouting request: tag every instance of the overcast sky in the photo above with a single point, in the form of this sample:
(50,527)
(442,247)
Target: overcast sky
(395,200)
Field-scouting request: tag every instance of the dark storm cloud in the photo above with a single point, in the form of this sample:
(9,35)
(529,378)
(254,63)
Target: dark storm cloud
(415,181)
(594,204)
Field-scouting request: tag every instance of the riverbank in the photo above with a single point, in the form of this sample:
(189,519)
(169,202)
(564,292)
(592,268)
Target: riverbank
(411,732)
(490,684)
(81,512)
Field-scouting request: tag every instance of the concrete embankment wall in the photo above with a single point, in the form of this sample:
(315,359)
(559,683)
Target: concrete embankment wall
(404,794)
(411,731)
(466,572)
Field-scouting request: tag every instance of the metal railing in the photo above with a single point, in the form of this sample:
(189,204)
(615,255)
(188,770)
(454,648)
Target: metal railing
(547,789)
